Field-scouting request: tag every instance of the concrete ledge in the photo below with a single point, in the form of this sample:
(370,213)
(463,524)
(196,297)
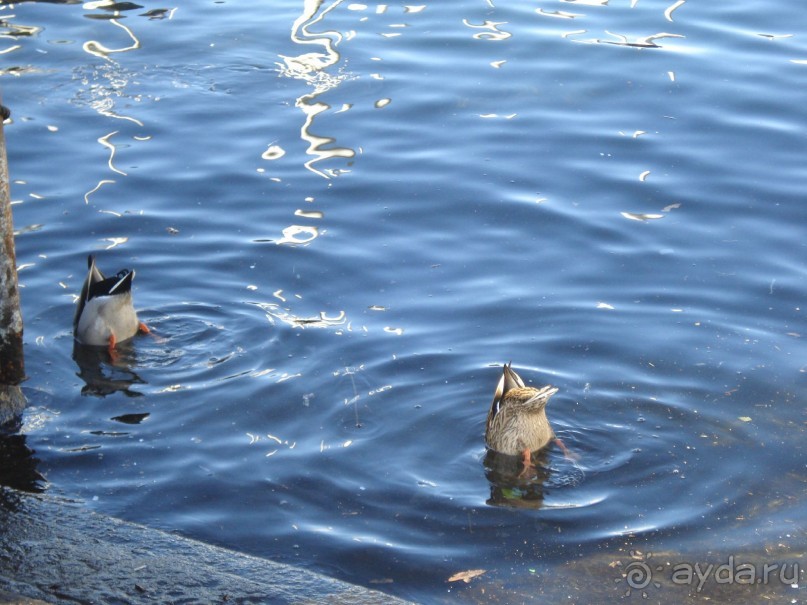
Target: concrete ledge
(12,599)
(57,552)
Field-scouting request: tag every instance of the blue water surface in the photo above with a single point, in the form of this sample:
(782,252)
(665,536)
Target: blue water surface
(345,217)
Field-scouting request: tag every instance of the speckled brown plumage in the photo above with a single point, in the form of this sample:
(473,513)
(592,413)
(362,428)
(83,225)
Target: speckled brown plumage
(517,419)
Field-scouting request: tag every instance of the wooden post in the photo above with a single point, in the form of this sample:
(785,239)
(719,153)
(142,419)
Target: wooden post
(12,368)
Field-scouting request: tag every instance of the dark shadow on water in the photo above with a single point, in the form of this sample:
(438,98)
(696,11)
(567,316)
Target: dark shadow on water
(511,485)
(18,465)
(104,375)
(130,418)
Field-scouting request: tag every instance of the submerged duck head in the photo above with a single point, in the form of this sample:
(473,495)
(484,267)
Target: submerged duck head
(105,314)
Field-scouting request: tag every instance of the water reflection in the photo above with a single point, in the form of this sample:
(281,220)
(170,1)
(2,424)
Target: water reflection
(509,487)
(136,418)
(274,312)
(622,40)
(588,2)
(104,141)
(18,465)
(295,235)
(313,68)
(99,50)
(490,31)
(616,39)
(105,84)
(103,375)
(557,14)
(670,9)
(659,438)
(159,13)
(298,235)
(646,42)
(14,31)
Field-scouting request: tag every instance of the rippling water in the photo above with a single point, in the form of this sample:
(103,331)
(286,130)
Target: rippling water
(344,218)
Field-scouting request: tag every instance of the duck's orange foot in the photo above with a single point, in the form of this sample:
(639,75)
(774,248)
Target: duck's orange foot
(143,328)
(529,469)
(113,353)
(568,454)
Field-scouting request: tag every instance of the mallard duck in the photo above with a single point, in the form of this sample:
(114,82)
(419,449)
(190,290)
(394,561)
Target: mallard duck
(517,422)
(105,315)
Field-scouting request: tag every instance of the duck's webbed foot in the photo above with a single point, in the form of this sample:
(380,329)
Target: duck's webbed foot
(529,469)
(567,453)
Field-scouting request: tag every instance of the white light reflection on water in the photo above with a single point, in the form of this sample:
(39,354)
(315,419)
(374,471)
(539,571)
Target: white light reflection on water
(294,235)
(623,40)
(673,7)
(274,312)
(99,50)
(490,30)
(104,86)
(298,235)
(273,152)
(558,14)
(313,68)
(547,253)
(640,216)
(104,140)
